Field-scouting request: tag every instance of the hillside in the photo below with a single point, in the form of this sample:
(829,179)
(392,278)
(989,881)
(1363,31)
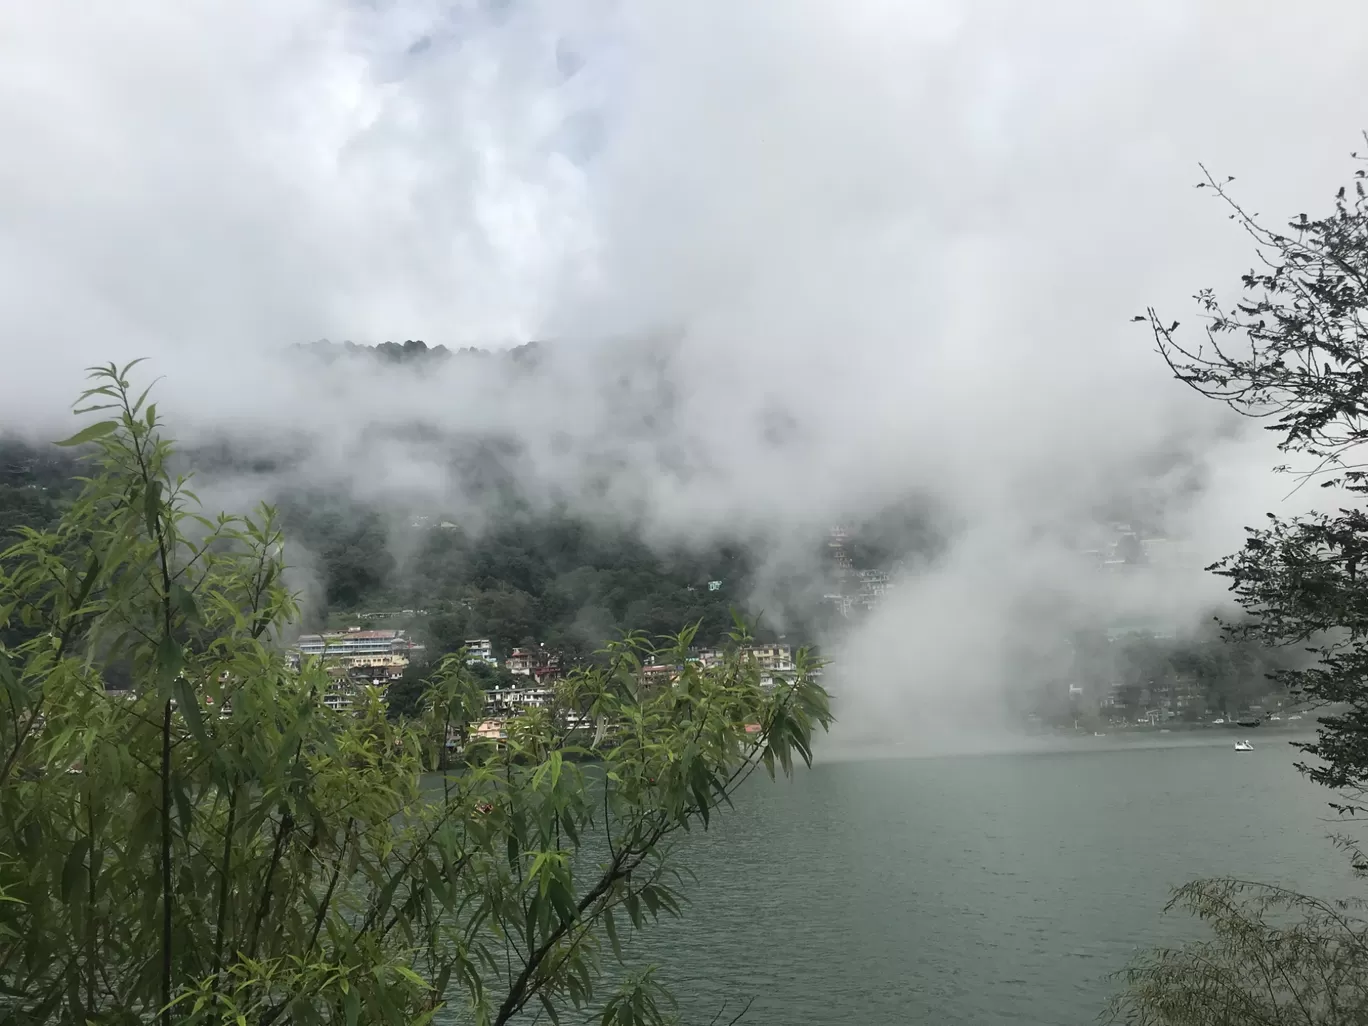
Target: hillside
(526,573)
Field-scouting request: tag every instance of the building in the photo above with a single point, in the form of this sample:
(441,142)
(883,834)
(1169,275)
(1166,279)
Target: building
(537,663)
(708,657)
(520,662)
(514,700)
(480,650)
(843,604)
(774,658)
(355,658)
(339,698)
(490,730)
(873,585)
(660,675)
(358,648)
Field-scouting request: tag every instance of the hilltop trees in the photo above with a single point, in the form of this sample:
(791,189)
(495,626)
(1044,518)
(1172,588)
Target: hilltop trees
(214,845)
(1291,351)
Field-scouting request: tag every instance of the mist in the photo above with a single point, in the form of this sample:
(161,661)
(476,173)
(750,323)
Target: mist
(789,265)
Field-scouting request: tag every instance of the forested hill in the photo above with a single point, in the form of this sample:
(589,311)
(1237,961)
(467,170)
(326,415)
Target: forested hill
(521,575)
(524,576)
(528,577)
(526,572)
(547,576)
(416,353)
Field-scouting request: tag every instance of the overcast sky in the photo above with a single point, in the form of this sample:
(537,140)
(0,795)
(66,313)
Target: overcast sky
(911,234)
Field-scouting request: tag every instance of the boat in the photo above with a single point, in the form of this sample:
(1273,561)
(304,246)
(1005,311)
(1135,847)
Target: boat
(1243,746)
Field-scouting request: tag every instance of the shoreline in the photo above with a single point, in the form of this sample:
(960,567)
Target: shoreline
(1055,743)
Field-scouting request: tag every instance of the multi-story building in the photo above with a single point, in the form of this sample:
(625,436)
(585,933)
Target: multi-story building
(774,658)
(512,700)
(660,675)
(520,662)
(355,647)
(708,657)
(490,730)
(843,604)
(480,650)
(534,662)
(356,658)
(873,585)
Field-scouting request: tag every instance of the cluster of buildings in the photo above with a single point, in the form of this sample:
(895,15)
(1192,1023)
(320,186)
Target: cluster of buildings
(537,670)
(853,591)
(357,656)
(539,663)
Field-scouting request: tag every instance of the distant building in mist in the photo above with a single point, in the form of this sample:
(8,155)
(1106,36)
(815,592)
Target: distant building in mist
(843,604)
(854,589)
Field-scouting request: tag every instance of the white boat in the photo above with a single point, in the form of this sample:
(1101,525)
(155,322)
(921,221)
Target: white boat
(1243,746)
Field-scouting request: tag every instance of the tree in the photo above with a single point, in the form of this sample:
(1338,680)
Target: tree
(1294,351)
(1275,957)
(216,845)
(1291,351)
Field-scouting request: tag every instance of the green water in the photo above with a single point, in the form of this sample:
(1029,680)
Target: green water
(978,890)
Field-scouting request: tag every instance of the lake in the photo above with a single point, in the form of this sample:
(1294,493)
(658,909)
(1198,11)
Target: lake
(980,889)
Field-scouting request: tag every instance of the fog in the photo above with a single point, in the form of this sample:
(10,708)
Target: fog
(791,263)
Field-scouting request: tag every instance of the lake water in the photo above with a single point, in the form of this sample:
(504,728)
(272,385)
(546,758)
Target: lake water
(978,890)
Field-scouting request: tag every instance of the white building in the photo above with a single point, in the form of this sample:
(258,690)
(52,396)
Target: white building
(355,647)
(774,658)
(480,650)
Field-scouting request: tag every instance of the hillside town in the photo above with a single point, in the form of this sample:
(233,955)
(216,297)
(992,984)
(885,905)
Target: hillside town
(357,657)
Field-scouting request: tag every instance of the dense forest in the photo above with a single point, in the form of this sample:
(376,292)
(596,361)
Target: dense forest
(527,577)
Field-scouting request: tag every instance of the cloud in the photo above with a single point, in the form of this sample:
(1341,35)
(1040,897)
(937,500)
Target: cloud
(856,250)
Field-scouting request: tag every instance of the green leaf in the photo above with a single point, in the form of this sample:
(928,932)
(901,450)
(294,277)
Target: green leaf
(170,660)
(73,870)
(89,434)
(87,582)
(187,701)
(610,925)
(351,1006)
(550,1009)
(183,601)
(555,768)
(185,809)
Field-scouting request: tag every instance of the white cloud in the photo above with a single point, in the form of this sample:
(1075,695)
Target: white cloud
(906,236)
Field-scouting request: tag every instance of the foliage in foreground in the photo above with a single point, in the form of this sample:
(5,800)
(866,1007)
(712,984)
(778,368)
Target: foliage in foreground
(1292,350)
(215,845)
(1274,958)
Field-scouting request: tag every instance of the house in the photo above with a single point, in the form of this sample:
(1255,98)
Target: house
(490,730)
(534,662)
(480,650)
(775,658)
